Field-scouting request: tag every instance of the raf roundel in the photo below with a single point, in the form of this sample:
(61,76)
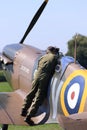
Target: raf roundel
(73,93)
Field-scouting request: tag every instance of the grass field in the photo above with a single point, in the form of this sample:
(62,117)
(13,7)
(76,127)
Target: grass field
(4,87)
(39,127)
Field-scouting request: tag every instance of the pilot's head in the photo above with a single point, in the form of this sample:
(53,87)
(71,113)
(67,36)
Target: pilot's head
(53,50)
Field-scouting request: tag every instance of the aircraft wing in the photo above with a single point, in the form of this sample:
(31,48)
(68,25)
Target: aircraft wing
(10,108)
(76,121)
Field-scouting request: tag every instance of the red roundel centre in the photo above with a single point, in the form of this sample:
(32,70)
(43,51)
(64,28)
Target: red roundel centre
(72,95)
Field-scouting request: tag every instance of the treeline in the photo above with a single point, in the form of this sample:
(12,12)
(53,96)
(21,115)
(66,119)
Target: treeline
(0,66)
(81,50)
(2,77)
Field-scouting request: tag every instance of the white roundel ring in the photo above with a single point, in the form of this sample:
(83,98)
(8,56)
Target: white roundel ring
(72,95)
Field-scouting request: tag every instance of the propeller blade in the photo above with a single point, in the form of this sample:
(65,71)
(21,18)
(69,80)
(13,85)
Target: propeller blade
(34,20)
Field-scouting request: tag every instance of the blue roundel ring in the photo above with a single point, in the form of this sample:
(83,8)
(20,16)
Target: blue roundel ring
(80,80)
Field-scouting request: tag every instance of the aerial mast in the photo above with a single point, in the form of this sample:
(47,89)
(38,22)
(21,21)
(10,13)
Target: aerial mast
(75,48)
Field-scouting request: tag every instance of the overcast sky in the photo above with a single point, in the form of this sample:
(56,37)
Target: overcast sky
(58,23)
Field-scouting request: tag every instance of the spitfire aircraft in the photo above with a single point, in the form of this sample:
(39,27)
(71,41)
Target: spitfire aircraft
(66,103)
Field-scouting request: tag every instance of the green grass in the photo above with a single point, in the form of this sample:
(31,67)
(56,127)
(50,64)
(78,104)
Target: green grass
(39,127)
(1,73)
(4,87)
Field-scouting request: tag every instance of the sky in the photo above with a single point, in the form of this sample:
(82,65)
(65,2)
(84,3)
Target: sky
(59,22)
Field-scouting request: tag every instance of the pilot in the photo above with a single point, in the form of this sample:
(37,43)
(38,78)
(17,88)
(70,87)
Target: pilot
(40,83)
